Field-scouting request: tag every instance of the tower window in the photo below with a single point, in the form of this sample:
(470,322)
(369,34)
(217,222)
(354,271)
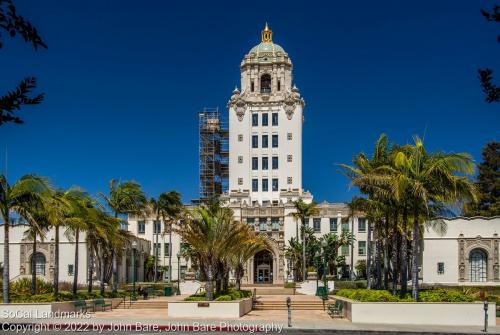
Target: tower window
(240,138)
(275,141)
(265,141)
(275,119)
(289,136)
(265,83)
(265,163)
(255,163)
(289,180)
(255,141)
(265,185)
(289,158)
(279,85)
(240,159)
(265,119)
(240,181)
(252,86)
(275,162)
(275,184)
(255,120)
(255,185)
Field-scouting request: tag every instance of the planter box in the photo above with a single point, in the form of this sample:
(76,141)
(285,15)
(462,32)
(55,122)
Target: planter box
(209,309)
(419,313)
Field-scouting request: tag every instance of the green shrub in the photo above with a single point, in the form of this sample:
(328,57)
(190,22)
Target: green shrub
(349,284)
(194,298)
(367,295)
(22,286)
(444,295)
(224,298)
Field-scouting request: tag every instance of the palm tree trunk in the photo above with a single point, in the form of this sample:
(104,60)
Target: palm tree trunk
(114,272)
(386,253)
(56,261)
(114,269)
(209,288)
(90,272)
(6,256)
(33,267)
(156,258)
(394,254)
(415,256)
(170,253)
(304,266)
(352,249)
(369,257)
(75,270)
(404,254)
(101,272)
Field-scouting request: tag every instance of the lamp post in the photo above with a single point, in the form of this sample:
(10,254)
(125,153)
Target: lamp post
(134,248)
(178,273)
(324,244)
(317,255)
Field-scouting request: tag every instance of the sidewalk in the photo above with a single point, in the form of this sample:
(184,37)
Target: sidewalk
(275,321)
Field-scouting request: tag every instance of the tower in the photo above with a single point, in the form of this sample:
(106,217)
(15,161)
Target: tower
(265,128)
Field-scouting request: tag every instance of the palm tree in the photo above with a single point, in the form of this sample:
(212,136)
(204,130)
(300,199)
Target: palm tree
(19,198)
(82,206)
(431,179)
(213,234)
(37,227)
(123,198)
(354,205)
(171,209)
(302,212)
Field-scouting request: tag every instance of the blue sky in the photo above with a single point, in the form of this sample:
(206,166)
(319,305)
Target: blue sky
(124,81)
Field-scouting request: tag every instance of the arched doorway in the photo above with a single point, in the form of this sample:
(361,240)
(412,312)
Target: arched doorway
(263,267)
(38,261)
(478,265)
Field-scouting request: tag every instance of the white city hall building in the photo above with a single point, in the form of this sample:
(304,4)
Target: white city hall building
(265,178)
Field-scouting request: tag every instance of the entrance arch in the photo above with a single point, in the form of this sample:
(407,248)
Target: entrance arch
(263,267)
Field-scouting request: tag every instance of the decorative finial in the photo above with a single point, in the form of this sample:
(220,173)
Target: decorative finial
(267,35)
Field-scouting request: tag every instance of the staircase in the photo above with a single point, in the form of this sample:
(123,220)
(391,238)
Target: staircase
(156,303)
(265,305)
(269,289)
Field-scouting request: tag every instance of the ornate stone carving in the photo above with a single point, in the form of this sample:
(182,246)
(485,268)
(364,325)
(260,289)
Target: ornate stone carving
(238,104)
(289,105)
(488,245)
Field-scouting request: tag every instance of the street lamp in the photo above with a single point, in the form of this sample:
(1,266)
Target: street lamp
(178,273)
(317,255)
(324,244)
(134,248)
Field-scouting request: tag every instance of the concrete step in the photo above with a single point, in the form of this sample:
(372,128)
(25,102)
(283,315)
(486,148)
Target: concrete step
(296,305)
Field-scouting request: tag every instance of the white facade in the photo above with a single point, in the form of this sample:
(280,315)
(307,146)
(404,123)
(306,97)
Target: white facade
(265,127)
(466,254)
(21,252)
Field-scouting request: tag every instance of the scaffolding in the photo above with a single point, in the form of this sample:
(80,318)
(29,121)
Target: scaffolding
(213,153)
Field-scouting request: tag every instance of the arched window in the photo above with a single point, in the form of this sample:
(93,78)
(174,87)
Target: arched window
(38,260)
(478,261)
(265,83)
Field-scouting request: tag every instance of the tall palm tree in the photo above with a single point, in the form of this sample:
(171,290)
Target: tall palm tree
(124,198)
(302,212)
(37,228)
(431,179)
(18,197)
(82,206)
(171,211)
(354,206)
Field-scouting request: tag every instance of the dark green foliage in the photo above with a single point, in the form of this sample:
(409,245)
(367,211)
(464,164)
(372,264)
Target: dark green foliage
(436,295)
(488,183)
(229,295)
(22,287)
(361,268)
(349,284)
(14,25)
(491,91)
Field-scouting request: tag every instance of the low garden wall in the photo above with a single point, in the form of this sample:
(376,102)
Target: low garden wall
(210,309)
(419,313)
